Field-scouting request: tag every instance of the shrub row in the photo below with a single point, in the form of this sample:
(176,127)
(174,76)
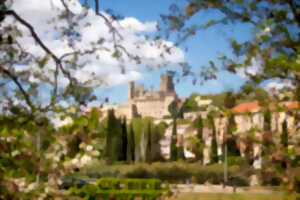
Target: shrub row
(125,189)
(177,172)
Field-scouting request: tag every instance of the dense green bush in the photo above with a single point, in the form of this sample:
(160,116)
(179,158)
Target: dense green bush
(87,191)
(139,172)
(212,174)
(236,160)
(174,174)
(179,172)
(117,188)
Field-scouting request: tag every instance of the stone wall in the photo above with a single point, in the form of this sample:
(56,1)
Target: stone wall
(221,126)
(151,103)
(184,131)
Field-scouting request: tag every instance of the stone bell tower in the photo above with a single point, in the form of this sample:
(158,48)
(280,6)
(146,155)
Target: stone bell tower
(131,90)
(166,83)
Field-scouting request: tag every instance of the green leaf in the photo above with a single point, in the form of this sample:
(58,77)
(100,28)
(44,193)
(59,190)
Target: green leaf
(209,23)
(4,131)
(43,61)
(116,54)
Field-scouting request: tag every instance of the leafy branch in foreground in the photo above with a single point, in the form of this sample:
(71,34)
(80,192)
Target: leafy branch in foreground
(274,47)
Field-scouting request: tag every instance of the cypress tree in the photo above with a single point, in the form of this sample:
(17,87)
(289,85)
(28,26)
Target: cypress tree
(117,141)
(109,135)
(113,147)
(124,140)
(214,146)
(173,147)
(155,146)
(267,120)
(174,111)
(198,149)
(284,142)
(267,141)
(199,126)
(148,148)
(284,135)
(230,139)
(131,145)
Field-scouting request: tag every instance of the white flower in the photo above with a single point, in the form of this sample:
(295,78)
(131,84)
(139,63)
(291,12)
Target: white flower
(89,147)
(15,153)
(47,189)
(267,30)
(85,159)
(10,138)
(82,145)
(31,187)
(56,158)
(20,182)
(72,109)
(67,121)
(64,151)
(59,182)
(95,153)
(281,96)
(75,161)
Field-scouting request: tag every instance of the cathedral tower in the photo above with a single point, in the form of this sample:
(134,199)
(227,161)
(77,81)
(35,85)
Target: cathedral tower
(166,83)
(131,90)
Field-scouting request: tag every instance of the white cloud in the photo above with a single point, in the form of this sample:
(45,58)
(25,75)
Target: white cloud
(277,85)
(91,28)
(132,24)
(254,68)
(115,79)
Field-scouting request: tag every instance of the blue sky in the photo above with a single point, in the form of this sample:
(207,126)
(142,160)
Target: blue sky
(206,45)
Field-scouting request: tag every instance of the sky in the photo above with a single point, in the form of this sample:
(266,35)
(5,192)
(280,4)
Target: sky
(205,46)
(139,18)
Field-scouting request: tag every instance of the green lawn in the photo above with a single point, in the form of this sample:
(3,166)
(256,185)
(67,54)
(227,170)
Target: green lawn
(220,196)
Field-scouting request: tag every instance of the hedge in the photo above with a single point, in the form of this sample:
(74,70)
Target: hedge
(125,189)
(179,172)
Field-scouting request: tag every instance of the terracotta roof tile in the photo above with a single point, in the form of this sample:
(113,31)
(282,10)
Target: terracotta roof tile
(255,107)
(246,107)
(289,104)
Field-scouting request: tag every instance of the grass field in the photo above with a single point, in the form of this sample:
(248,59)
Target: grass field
(220,196)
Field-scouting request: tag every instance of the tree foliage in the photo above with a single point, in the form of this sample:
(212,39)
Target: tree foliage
(131,144)
(173,145)
(124,139)
(149,144)
(214,147)
(45,93)
(174,109)
(275,41)
(155,148)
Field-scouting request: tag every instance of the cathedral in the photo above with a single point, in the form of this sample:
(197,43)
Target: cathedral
(147,102)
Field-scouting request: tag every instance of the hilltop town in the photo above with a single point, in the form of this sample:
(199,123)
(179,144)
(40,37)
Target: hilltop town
(237,129)
(143,103)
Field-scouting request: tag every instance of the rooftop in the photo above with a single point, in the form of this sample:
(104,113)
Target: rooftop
(251,107)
